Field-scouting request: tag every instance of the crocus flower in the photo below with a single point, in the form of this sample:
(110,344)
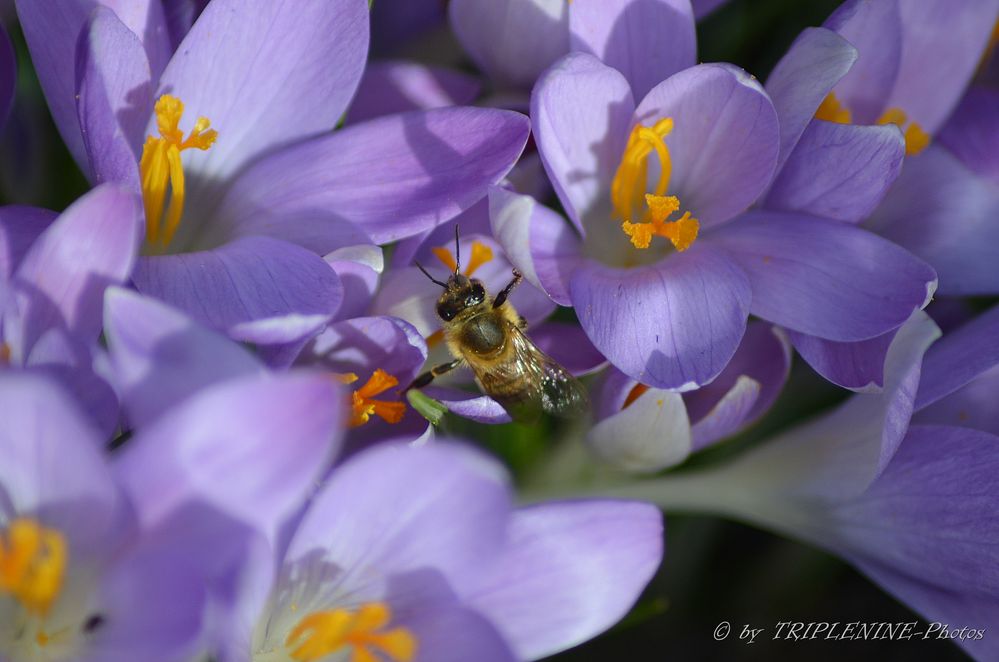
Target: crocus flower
(644,429)
(78,581)
(236,161)
(908,505)
(416,554)
(667,271)
(52,279)
(913,62)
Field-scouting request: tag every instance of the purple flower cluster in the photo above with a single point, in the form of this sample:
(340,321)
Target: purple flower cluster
(207,448)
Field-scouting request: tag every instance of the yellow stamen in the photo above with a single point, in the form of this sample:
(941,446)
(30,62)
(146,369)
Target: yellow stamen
(160,165)
(480,255)
(363,406)
(916,140)
(4,353)
(681,232)
(324,632)
(32,564)
(831,110)
(628,191)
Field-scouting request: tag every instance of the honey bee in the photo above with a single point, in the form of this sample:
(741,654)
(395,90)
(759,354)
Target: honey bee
(487,334)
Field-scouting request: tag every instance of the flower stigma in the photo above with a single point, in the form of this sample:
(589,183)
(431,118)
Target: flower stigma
(363,404)
(916,140)
(32,564)
(160,165)
(481,254)
(628,191)
(324,632)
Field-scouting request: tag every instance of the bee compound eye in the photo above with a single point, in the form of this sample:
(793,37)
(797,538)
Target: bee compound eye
(478,293)
(445,312)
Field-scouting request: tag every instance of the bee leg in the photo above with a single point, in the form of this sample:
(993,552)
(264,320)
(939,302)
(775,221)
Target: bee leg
(505,292)
(429,375)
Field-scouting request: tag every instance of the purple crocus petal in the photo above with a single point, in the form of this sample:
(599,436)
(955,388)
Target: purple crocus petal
(725,141)
(942,45)
(314,55)
(649,434)
(646,40)
(512,41)
(160,357)
(815,276)
(450,633)
(52,33)
(8,76)
(440,506)
(91,245)
(474,406)
(840,454)
(277,433)
(962,356)
(941,605)
(537,241)
(394,176)
(745,390)
(53,469)
(817,59)
(20,226)
(359,269)
(255,288)
(365,344)
(945,214)
(972,132)
(569,571)
(569,346)
(927,515)
(839,171)
(858,366)
(152,603)
(407,293)
(66,363)
(971,406)
(672,325)
(398,87)
(396,23)
(875,30)
(581,113)
(114,97)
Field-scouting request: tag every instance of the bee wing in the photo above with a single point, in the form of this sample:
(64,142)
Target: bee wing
(542,385)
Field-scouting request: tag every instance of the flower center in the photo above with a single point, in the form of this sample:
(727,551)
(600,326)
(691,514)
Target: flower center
(324,632)
(32,564)
(916,140)
(481,254)
(628,191)
(363,406)
(160,165)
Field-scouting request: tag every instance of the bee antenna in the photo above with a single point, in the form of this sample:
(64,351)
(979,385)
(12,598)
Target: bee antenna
(427,274)
(457,256)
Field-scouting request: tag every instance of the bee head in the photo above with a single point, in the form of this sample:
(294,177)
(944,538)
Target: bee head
(460,293)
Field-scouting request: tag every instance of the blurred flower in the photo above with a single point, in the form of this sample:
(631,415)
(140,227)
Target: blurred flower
(259,180)
(53,272)
(667,270)
(78,580)
(908,505)
(416,554)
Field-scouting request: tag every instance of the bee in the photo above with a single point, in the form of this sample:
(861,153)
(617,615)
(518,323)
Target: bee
(487,334)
